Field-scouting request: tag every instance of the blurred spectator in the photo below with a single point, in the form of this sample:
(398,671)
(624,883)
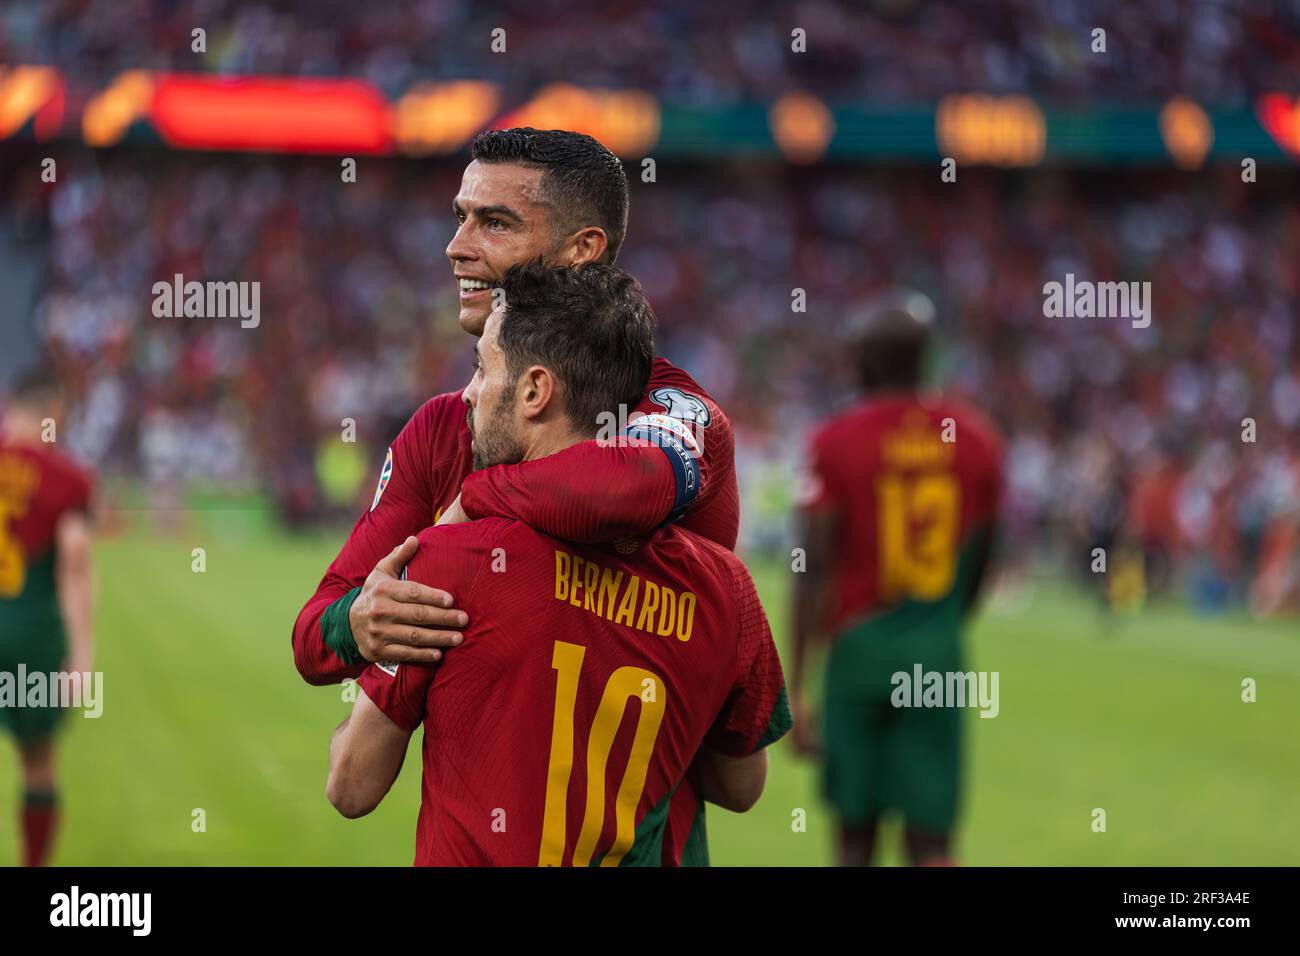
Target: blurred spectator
(1222,51)
(1116,434)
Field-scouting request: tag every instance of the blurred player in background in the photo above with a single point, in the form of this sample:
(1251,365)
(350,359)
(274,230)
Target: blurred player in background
(560,197)
(897,522)
(46,588)
(1096,508)
(530,755)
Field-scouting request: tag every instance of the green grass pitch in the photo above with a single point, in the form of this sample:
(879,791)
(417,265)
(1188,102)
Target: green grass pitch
(204,710)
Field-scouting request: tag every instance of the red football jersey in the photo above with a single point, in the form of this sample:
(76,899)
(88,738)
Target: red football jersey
(913,481)
(584,493)
(38,485)
(590,675)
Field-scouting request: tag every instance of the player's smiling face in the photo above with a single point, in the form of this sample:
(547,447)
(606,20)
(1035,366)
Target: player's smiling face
(490,396)
(501,222)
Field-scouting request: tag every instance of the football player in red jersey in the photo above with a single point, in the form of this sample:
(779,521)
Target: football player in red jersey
(46,592)
(590,676)
(527,194)
(897,523)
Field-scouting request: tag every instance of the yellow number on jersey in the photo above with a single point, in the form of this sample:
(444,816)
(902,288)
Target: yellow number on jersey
(13,559)
(625,682)
(917,525)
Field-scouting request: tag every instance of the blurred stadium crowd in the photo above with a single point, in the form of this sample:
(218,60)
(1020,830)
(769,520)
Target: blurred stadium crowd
(898,50)
(1120,437)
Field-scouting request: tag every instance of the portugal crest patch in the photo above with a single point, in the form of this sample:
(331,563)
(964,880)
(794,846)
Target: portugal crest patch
(385,473)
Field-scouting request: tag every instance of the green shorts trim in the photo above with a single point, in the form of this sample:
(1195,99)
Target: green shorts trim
(36,651)
(880,757)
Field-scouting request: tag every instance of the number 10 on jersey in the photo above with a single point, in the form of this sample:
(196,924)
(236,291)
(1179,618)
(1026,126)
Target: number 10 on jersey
(624,683)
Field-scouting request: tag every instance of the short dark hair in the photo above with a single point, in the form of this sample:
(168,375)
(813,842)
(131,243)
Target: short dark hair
(590,326)
(893,354)
(893,340)
(582,179)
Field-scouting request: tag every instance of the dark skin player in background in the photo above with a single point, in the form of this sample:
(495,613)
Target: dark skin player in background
(897,525)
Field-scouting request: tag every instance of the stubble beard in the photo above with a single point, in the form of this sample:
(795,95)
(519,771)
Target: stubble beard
(494,444)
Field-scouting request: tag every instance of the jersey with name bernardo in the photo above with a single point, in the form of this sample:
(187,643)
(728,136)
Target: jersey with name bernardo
(588,679)
(584,493)
(38,486)
(915,486)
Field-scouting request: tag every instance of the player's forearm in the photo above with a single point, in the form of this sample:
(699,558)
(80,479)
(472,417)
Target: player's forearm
(985,550)
(587,493)
(76,585)
(363,766)
(798,659)
(323,622)
(733,783)
(804,632)
(812,594)
(344,784)
(77,604)
(324,649)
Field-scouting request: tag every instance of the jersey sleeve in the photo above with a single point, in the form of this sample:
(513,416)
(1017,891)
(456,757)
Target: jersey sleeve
(757,711)
(401,691)
(678,464)
(818,486)
(450,557)
(403,505)
(997,471)
(80,492)
(991,465)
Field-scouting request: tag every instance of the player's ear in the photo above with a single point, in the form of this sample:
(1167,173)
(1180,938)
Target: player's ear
(588,244)
(538,386)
